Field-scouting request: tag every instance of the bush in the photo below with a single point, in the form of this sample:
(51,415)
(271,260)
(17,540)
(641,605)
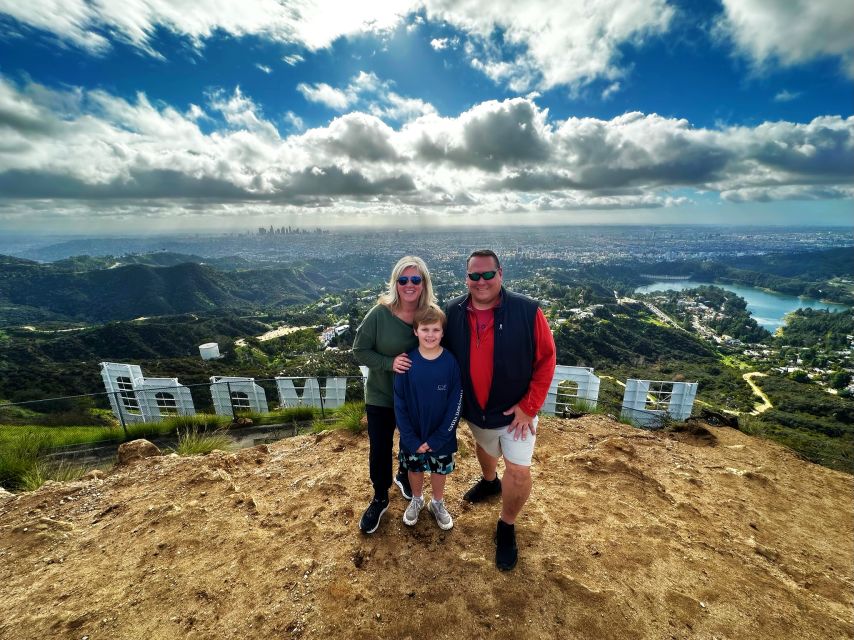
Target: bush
(193,442)
(347,417)
(42,471)
(200,422)
(23,467)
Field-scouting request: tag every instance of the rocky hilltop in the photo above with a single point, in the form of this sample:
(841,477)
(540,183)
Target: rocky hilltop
(706,533)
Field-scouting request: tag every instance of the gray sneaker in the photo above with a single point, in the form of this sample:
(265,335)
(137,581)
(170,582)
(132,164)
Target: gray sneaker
(410,516)
(443,518)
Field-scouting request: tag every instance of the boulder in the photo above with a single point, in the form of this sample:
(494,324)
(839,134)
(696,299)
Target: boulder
(94,474)
(5,494)
(136,450)
(717,419)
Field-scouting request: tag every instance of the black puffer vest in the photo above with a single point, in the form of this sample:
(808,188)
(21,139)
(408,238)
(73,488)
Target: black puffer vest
(513,359)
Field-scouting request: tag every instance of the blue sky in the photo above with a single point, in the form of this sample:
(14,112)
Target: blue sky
(148,115)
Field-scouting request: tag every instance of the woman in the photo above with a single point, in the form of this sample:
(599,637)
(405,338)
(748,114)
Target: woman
(381,343)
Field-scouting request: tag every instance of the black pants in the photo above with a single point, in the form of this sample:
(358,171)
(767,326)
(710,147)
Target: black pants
(381,425)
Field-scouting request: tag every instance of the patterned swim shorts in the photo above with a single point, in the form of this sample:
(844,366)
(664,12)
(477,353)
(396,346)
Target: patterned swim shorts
(419,462)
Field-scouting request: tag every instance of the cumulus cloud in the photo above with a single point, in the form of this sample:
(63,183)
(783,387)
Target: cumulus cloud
(80,146)
(355,136)
(264,68)
(556,43)
(792,32)
(325,94)
(489,136)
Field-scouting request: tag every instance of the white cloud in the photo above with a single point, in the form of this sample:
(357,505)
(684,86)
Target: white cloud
(294,121)
(396,107)
(560,43)
(787,96)
(610,90)
(314,24)
(293,60)
(367,91)
(791,32)
(545,44)
(264,68)
(75,146)
(325,94)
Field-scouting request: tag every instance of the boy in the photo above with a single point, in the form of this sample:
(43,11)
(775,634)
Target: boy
(427,402)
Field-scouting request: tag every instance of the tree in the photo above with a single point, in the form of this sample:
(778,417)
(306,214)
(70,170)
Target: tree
(840,379)
(799,375)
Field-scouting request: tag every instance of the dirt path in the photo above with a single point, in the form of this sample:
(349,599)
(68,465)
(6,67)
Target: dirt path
(766,401)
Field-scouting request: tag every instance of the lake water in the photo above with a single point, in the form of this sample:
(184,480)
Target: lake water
(766,308)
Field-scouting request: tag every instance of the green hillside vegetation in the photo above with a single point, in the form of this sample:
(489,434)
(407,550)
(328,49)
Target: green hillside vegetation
(816,424)
(811,327)
(34,293)
(628,342)
(36,365)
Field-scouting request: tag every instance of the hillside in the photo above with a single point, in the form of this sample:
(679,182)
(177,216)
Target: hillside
(30,292)
(629,534)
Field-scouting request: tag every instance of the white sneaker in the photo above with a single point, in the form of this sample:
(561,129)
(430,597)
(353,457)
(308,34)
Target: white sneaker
(410,516)
(443,518)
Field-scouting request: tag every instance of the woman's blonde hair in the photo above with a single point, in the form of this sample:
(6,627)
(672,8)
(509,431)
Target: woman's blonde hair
(390,297)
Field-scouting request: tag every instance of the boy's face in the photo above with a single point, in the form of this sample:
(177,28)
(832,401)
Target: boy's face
(429,335)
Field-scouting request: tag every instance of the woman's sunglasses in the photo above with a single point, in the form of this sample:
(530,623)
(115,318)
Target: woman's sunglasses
(486,275)
(402,280)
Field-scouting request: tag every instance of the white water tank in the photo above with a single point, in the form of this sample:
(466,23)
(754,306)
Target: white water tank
(209,351)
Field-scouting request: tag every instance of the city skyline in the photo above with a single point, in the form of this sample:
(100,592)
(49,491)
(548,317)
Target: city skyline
(145,117)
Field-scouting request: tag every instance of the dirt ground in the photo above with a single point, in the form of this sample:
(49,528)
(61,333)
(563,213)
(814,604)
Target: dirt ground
(628,534)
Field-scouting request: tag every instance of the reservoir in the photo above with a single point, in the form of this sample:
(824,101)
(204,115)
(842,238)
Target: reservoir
(766,307)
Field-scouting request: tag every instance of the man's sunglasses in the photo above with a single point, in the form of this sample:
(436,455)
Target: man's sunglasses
(402,280)
(486,275)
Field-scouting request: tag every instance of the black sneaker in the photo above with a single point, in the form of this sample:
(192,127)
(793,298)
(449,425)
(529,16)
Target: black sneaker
(402,482)
(506,552)
(372,516)
(483,489)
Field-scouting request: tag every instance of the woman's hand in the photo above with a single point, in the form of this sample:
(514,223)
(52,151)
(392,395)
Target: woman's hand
(401,363)
(424,448)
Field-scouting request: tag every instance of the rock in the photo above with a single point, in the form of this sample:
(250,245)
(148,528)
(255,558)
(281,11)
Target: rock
(136,450)
(5,494)
(241,422)
(94,474)
(715,418)
(257,454)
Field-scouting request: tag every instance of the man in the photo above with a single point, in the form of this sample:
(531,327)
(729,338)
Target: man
(506,353)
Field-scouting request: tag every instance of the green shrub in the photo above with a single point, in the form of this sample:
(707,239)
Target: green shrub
(193,442)
(41,471)
(348,416)
(199,422)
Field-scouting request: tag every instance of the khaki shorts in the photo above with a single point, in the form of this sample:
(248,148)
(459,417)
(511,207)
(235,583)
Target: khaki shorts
(499,442)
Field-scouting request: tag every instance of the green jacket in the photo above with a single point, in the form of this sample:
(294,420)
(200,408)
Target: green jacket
(380,338)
